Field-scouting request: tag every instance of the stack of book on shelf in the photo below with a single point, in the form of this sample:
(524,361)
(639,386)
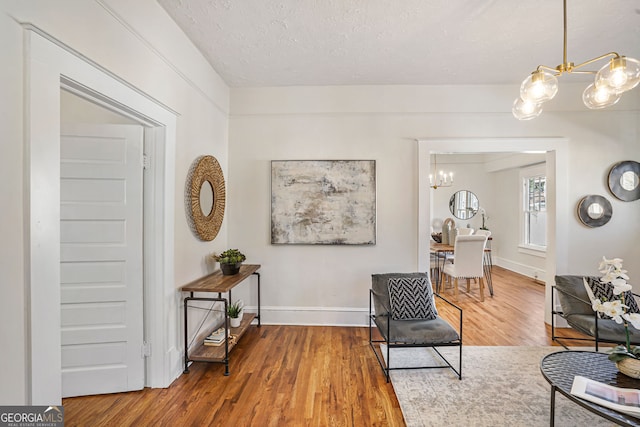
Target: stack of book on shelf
(216,337)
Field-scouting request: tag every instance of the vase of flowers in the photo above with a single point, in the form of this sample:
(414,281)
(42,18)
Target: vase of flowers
(483,213)
(626,356)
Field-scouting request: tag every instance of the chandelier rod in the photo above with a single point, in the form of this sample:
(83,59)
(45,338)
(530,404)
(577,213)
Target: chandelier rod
(569,67)
(564,49)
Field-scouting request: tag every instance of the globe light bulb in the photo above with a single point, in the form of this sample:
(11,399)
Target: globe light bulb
(618,79)
(528,107)
(601,94)
(536,91)
(620,74)
(597,96)
(539,87)
(526,110)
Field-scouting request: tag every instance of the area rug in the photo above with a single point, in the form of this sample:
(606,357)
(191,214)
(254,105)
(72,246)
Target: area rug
(500,386)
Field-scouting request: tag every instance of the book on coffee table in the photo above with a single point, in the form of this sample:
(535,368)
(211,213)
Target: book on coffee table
(619,399)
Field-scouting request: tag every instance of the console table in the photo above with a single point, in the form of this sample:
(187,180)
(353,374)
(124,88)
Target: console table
(216,282)
(560,368)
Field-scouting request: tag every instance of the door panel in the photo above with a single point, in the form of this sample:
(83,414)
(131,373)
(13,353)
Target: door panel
(101,259)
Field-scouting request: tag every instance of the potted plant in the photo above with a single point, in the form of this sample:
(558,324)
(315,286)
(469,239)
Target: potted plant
(234,311)
(230,261)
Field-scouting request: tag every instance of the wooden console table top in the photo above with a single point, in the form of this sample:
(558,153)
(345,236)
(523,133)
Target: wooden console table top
(217,282)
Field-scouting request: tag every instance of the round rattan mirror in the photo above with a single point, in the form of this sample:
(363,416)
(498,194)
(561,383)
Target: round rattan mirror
(205,197)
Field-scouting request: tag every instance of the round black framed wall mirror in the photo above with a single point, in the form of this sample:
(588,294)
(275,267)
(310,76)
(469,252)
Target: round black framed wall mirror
(594,210)
(464,204)
(624,180)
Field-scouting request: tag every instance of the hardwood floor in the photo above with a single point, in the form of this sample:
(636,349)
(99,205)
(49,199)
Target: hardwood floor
(311,376)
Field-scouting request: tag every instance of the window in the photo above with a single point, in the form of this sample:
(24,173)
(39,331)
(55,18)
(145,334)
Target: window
(534,208)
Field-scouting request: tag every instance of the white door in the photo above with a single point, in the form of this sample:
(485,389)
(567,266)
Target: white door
(101,263)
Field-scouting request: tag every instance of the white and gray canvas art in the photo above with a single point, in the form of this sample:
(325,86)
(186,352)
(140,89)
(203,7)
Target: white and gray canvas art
(323,202)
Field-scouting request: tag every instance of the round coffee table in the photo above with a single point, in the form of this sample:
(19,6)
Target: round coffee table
(560,368)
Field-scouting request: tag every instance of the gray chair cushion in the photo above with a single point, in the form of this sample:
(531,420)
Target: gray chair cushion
(608,330)
(436,331)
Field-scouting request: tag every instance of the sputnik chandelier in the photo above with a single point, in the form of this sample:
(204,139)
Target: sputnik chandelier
(619,75)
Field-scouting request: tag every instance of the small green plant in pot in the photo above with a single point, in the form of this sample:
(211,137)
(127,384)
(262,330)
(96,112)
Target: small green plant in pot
(234,312)
(230,261)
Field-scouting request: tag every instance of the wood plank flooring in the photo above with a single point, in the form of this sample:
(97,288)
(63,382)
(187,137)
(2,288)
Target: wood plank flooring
(311,376)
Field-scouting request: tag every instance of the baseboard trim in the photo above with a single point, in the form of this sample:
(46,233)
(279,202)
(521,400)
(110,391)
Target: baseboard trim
(534,273)
(313,316)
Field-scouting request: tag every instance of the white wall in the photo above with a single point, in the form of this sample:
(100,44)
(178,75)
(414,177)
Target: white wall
(505,226)
(382,123)
(469,173)
(13,315)
(139,43)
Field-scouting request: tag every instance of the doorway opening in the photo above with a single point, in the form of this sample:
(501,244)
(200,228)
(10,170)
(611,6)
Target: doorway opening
(51,65)
(101,247)
(556,158)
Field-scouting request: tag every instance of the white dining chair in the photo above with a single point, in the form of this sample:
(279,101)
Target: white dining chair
(469,252)
(460,232)
(465,231)
(488,257)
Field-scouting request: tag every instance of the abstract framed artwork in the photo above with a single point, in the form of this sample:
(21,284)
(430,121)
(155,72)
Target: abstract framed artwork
(323,202)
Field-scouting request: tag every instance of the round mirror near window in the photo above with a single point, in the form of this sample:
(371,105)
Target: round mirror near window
(464,204)
(594,211)
(624,180)
(629,181)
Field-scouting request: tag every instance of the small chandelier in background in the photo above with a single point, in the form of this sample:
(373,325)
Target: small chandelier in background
(441,179)
(619,75)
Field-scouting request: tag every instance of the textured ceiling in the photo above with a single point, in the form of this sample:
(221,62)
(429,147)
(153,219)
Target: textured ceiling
(360,42)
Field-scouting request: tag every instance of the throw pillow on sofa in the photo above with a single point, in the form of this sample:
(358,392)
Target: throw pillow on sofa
(604,292)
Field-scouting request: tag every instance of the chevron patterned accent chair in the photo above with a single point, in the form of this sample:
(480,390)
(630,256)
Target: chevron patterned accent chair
(570,300)
(403,313)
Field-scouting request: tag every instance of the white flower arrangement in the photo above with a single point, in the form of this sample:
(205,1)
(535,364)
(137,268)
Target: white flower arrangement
(614,274)
(485,217)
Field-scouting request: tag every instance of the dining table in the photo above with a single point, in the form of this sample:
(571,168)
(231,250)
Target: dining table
(441,250)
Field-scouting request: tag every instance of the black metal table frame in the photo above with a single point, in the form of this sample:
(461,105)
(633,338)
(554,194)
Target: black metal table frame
(226,323)
(610,414)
